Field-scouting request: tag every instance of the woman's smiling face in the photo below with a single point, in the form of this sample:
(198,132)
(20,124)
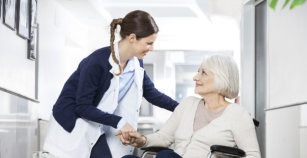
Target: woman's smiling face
(143,45)
(204,82)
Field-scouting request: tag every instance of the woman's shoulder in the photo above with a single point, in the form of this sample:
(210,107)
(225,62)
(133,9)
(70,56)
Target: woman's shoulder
(238,112)
(101,54)
(193,98)
(186,103)
(190,100)
(234,108)
(99,57)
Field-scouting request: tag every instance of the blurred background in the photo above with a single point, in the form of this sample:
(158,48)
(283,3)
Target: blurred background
(268,43)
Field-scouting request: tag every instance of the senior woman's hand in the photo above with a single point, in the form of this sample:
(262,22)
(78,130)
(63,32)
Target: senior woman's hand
(137,139)
(124,134)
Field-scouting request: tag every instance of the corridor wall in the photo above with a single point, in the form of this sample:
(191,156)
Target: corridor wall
(286,82)
(17,76)
(274,67)
(64,39)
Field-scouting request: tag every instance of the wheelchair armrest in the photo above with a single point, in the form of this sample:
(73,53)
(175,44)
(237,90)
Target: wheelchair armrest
(256,122)
(230,151)
(155,149)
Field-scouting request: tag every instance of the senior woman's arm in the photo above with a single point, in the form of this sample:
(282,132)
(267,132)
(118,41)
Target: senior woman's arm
(165,136)
(245,135)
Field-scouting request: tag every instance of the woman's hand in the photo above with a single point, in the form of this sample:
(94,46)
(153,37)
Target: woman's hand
(137,140)
(124,133)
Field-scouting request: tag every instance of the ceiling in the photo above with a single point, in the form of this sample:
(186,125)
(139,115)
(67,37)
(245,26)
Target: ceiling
(106,10)
(184,24)
(172,8)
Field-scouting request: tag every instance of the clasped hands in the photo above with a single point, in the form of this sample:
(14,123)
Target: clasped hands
(128,136)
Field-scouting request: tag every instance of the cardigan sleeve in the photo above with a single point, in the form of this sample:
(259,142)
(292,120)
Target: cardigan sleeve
(245,134)
(89,78)
(155,97)
(165,136)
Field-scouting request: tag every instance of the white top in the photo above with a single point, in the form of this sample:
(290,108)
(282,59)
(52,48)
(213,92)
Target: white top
(234,127)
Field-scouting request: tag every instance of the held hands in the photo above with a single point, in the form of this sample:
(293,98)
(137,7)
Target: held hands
(124,133)
(137,140)
(128,136)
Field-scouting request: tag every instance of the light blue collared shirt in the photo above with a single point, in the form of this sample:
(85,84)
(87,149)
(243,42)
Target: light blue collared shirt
(127,77)
(125,81)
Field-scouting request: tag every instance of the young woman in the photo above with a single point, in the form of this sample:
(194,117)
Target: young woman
(103,96)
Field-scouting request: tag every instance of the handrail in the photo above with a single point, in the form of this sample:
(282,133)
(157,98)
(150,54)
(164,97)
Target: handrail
(18,95)
(285,106)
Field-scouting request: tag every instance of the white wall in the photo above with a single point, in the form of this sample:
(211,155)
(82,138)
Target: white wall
(287,54)
(17,73)
(283,133)
(247,65)
(18,116)
(303,131)
(287,67)
(286,93)
(64,40)
(287,132)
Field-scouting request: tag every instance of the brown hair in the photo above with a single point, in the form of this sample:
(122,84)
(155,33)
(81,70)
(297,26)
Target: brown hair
(138,22)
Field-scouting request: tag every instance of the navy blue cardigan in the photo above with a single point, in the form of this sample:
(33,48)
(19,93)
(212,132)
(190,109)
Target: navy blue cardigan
(86,86)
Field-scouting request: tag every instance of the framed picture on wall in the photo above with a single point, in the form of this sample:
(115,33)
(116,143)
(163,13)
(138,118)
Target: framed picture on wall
(33,43)
(33,12)
(9,13)
(24,25)
(0,9)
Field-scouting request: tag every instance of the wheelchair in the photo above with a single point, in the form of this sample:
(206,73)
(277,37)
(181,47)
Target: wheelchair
(217,150)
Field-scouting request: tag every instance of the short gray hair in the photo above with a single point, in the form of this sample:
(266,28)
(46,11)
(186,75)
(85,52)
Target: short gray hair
(226,74)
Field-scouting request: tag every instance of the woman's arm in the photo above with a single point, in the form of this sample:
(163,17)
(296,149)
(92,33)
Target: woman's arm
(154,96)
(165,136)
(90,77)
(245,135)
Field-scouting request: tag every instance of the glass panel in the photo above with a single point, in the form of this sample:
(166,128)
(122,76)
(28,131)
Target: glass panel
(184,81)
(146,108)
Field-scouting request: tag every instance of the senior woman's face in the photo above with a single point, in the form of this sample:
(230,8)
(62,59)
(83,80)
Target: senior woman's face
(204,82)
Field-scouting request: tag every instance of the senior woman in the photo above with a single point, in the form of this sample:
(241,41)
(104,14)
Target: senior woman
(198,123)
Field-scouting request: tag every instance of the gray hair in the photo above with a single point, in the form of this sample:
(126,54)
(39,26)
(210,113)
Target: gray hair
(226,73)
